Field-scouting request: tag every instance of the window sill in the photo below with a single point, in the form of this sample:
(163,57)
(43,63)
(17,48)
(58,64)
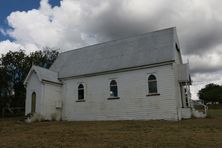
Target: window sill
(156,94)
(113,98)
(80,100)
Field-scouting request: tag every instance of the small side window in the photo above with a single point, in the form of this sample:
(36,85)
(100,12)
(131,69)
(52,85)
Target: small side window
(33,105)
(152,84)
(113,89)
(81,92)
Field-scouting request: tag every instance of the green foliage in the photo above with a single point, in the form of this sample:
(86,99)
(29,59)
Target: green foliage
(14,67)
(43,58)
(211,93)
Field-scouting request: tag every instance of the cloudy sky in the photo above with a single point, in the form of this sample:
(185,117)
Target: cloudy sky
(70,24)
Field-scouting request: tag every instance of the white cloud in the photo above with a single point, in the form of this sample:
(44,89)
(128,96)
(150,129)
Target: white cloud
(7,45)
(2,31)
(206,61)
(58,27)
(75,22)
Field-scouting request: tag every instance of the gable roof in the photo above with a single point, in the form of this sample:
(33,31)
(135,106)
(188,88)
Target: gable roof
(43,74)
(145,49)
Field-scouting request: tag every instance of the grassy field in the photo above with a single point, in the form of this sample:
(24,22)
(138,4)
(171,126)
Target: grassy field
(187,133)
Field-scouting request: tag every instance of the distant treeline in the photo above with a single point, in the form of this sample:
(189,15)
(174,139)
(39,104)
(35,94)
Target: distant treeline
(14,67)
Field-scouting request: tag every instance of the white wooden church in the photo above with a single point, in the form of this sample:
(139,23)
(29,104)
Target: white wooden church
(136,78)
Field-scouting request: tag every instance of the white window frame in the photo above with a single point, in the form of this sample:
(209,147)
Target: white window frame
(147,84)
(85,92)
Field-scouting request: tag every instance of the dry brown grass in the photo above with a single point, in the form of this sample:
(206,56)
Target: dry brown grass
(187,133)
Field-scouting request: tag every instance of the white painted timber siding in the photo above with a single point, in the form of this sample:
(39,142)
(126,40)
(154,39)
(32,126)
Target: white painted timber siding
(48,95)
(134,104)
(33,85)
(185,111)
(177,84)
(52,96)
(178,92)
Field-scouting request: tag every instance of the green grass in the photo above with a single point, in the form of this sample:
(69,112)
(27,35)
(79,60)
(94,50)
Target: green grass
(215,113)
(187,133)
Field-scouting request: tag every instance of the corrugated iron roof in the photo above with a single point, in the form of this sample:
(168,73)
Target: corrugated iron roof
(145,49)
(46,74)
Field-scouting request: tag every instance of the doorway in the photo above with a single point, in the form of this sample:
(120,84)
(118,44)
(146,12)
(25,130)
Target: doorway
(33,106)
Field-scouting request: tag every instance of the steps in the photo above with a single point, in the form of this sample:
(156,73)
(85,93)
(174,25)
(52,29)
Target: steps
(198,114)
(199,110)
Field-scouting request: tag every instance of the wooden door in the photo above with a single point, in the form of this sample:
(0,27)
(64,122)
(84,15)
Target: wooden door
(33,102)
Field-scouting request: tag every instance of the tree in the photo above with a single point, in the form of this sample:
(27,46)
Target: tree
(211,93)
(4,91)
(14,67)
(43,58)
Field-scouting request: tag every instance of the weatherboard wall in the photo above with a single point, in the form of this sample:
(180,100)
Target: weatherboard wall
(33,85)
(133,104)
(52,95)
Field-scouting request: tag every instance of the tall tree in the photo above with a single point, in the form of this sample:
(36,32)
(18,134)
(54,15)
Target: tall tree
(211,93)
(43,58)
(4,91)
(14,65)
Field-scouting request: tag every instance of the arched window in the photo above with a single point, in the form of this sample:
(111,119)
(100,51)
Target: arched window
(33,105)
(80,92)
(152,84)
(113,89)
